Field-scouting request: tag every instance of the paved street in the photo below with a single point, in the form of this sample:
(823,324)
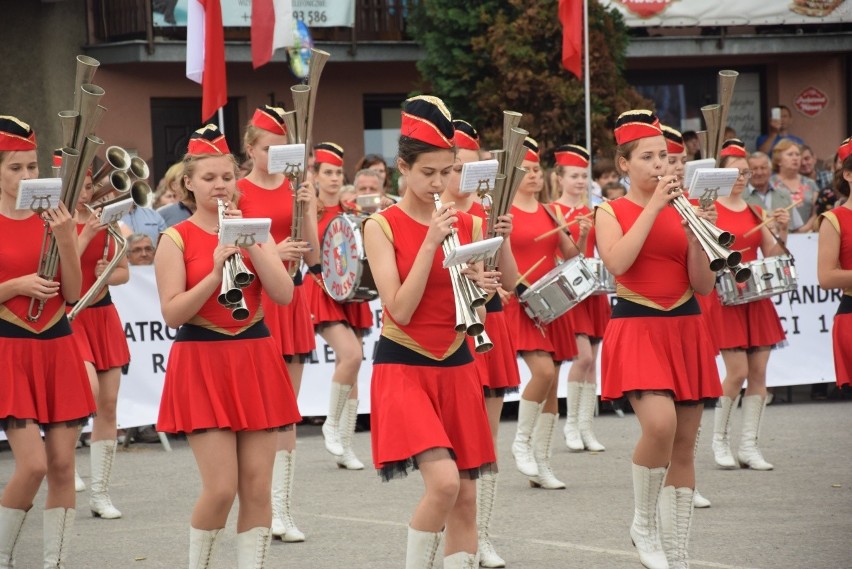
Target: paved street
(798,516)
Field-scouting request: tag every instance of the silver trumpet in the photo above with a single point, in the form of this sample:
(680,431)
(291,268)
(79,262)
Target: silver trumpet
(235,277)
(467,296)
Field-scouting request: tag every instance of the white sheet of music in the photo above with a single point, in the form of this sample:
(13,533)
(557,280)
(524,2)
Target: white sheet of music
(114,212)
(39,194)
(286,158)
(716,182)
(692,166)
(244,232)
(473,252)
(478,176)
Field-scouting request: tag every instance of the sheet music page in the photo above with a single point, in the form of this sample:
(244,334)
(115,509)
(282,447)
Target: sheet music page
(244,232)
(715,182)
(473,252)
(692,166)
(478,176)
(286,158)
(114,212)
(40,194)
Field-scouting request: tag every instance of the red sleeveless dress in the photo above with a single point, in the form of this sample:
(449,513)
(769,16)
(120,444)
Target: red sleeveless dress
(754,324)
(42,377)
(222,373)
(657,338)
(841,332)
(498,368)
(290,324)
(425,391)
(97,329)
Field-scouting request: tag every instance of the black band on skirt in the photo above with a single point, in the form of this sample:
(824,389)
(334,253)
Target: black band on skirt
(494,304)
(845,305)
(627,309)
(193,333)
(58,330)
(389,352)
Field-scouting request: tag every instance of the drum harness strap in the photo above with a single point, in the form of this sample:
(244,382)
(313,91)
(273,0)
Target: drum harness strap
(559,222)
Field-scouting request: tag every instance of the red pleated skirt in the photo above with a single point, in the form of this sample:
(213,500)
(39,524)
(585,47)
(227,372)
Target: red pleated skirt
(591,316)
(498,367)
(359,315)
(711,309)
(752,325)
(562,335)
(526,335)
(659,353)
(325,309)
(416,408)
(100,337)
(290,324)
(841,336)
(239,385)
(43,380)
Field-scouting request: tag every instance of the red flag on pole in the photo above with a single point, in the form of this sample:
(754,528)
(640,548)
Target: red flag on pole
(571,17)
(271,28)
(205,54)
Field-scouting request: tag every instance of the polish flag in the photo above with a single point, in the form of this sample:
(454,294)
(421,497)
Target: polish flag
(571,17)
(205,54)
(271,28)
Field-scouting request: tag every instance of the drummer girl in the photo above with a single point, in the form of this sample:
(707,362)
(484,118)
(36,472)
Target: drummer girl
(656,349)
(498,368)
(588,319)
(427,409)
(270,195)
(340,325)
(751,329)
(226,385)
(541,348)
(43,384)
(835,265)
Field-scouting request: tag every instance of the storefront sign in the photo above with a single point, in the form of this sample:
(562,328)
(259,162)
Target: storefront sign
(642,13)
(237,13)
(811,102)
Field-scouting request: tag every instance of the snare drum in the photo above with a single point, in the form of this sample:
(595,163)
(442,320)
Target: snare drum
(606,280)
(560,290)
(769,277)
(345,271)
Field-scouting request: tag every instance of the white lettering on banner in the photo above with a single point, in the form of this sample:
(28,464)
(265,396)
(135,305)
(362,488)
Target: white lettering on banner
(806,314)
(237,13)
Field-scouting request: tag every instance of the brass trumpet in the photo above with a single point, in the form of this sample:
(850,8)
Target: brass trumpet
(235,277)
(466,294)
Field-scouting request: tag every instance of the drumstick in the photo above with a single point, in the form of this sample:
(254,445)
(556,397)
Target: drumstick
(529,271)
(770,219)
(563,226)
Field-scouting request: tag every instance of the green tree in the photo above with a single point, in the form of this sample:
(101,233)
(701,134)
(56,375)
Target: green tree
(487,56)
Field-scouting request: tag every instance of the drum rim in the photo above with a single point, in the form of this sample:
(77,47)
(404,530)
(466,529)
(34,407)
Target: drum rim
(356,231)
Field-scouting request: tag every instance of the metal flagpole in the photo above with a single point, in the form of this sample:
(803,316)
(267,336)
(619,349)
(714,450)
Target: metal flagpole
(222,118)
(587,95)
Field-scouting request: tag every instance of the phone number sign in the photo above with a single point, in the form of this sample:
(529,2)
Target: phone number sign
(325,13)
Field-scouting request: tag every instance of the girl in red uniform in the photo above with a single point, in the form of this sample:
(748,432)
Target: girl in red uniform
(834,265)
(226,385)
(100,336)
(340,325)
(656,349)
(43,383)
(543,349)
(588,319)
(498,368)
(750,330)
(426,397)
(270,195)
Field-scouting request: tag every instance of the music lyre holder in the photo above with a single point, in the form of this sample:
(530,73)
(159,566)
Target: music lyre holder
(293,171)
(37,204)
(709,196)
(245,240)
(479,186)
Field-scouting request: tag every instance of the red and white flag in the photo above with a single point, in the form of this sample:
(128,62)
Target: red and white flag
(571,17)
(205,54)
(271,28)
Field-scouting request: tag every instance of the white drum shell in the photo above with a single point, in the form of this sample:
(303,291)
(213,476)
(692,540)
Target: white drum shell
(561,289)
(769,277)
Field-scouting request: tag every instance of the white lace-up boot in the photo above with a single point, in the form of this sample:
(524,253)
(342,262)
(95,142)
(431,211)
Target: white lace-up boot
(647,483)
(202,544)
(331,427)
(253,547)
(749,455)
(721,428)
(102,458)
(486,495)
(588,402)
(676,508)
(571,431)
(283,473)
(346,429)
(11,522)
(462,560)
(545,430)
(422,550)
(522,449)
(58,526)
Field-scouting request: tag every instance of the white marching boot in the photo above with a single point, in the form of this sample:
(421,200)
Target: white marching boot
(486,495)
(462,560)
(202,544)
(647,483)
(11,522)
(58,525)
(749,455)
(698,500)
(346,429)
(283,472)
(588,402)
(721,428)
(545,430)
(572,433)
(331,427)
(675,522)
(522,450)
(79,485)
(252,548)
(102,458)
(422,550)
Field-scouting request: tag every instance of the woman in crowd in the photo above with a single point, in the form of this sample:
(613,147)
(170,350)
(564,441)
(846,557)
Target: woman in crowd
(588,319)
(541,349)
(377,164)
(44,386)
(226,385)
(426,402)
(271,195)
(340,325)
(498,368)
(750,330)
(640,238)
(786,159)
(169,191)
(99,334)
(834,265)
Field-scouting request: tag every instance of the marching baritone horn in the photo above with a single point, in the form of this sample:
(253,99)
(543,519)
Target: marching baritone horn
(235,277)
